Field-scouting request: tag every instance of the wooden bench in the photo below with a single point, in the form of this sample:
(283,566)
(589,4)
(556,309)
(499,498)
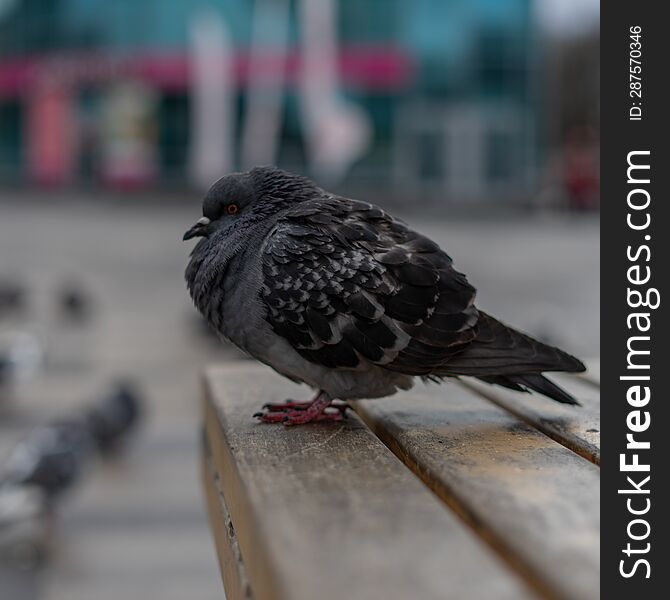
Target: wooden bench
(460,491)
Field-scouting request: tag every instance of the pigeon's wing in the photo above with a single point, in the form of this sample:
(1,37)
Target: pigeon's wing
(345,283)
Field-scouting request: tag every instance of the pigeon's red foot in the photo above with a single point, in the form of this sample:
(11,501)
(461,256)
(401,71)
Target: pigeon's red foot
(284,406)
(297,413)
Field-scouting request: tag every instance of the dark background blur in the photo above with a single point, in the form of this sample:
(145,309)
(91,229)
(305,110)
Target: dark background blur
(449,101)
(475,120)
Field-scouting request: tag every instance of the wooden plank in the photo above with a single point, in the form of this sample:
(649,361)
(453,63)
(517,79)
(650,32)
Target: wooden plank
(534,499)
(327,511)
(233,573)
(576,427)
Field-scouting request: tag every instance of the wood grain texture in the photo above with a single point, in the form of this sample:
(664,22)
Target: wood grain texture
(577,428)
(233,572)
(326,511)
(534,500)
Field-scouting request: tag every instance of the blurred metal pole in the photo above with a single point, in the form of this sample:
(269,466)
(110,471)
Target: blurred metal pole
(266,82)
(212,88)
(51,129)
(337,131)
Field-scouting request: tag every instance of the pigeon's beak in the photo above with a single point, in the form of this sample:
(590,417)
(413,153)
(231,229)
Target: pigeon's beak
(198,230)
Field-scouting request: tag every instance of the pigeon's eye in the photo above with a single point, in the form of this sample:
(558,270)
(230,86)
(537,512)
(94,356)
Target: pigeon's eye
(231,209)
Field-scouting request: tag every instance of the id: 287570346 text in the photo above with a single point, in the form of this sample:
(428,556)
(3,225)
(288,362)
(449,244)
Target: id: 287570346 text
(635,73)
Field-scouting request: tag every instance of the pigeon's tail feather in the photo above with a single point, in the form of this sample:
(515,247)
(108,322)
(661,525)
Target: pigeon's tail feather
(533,381)
(504,356)
(501,350)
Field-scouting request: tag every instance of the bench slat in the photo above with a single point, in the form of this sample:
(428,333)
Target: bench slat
(537,501)
(327,511)
(577,428)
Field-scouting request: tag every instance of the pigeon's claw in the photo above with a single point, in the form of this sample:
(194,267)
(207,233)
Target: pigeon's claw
(284,406)
(297,413)
(299,417)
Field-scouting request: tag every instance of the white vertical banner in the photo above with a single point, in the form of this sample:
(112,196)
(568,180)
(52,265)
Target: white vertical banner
(211,95)
(338,132)
(265,86)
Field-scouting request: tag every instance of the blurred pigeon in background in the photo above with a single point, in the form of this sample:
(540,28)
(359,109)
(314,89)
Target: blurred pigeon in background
(115,415)
(74,302)
(13,297)
(340,295)
(51,459)
(53,456)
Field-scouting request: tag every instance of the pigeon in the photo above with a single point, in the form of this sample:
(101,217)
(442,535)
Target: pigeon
(338,294)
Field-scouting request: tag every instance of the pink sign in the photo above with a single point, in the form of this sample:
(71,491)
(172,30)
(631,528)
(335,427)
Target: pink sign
(51,135)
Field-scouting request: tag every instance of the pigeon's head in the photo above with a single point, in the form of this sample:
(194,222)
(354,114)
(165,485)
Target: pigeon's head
(247,197)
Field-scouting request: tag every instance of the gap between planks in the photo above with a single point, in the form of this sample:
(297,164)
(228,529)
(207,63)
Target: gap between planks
(415,435)
(575,427)
(460,508)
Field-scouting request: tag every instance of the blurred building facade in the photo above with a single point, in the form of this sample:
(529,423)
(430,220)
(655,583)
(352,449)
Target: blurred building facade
(446,91)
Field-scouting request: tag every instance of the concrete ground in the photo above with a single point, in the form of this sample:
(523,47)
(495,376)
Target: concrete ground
(136,526)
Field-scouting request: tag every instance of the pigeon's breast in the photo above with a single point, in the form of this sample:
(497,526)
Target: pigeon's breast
(222,278)
(236,312)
